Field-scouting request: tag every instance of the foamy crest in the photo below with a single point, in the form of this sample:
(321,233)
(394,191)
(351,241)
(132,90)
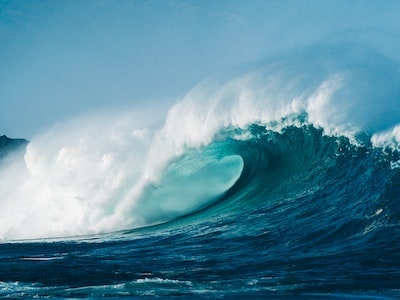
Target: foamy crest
(389,138)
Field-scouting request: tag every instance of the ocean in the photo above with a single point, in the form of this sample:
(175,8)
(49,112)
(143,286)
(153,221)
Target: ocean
(278,182)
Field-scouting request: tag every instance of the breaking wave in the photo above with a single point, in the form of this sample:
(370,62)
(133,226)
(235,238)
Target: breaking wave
(321,125)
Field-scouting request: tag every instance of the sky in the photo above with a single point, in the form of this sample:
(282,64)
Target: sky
(65,58)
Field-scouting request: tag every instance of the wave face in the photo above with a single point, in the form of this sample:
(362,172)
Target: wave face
(281,180)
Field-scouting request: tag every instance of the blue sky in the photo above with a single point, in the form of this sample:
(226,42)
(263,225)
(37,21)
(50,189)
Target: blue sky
(60,59)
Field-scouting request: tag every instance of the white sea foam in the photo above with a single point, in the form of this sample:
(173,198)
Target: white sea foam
(389,138)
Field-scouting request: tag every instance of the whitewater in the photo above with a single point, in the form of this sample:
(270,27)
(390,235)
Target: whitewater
(279,180)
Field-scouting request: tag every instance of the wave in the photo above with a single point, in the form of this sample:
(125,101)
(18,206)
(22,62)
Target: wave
(325,121)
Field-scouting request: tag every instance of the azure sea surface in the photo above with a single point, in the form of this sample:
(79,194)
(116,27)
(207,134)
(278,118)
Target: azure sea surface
(282,182)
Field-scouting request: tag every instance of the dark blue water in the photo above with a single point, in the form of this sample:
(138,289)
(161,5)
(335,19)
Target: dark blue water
(311,216)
